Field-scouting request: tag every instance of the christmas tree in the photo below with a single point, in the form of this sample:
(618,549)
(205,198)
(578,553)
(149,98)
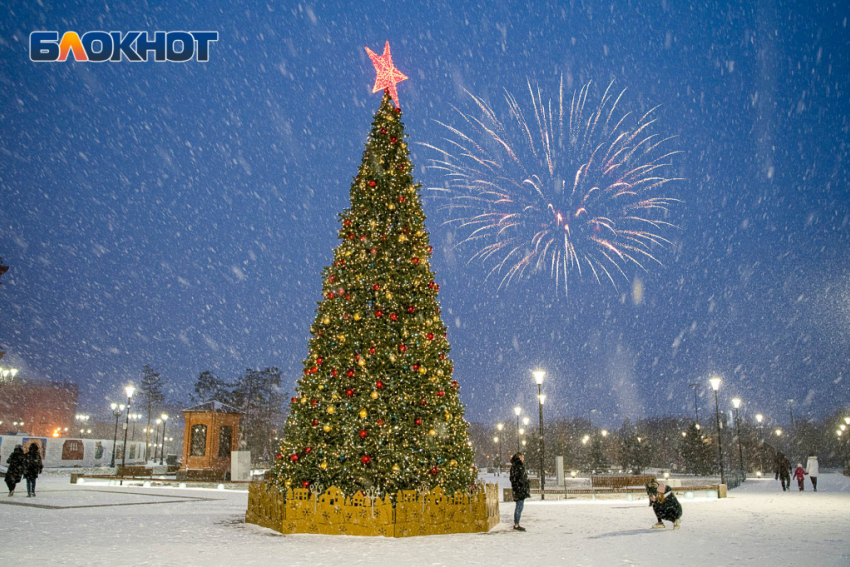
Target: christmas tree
(377,406)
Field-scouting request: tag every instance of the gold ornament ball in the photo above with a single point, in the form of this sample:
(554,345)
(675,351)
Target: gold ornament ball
(363,414)
(392,358)
(326,428)
(440,372)
(396,468)
(287,482)
(389,295)
(361,362)
(326,320)
(321,386)
(324,465)
(391,207)
(453,463)
(331,410)
(374,394)
(432,433)
(448,416)
(341,338)
(433,378)
(303,400)
(357,316)
(422,370)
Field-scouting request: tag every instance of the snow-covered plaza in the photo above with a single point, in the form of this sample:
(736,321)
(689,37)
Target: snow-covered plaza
(98,524)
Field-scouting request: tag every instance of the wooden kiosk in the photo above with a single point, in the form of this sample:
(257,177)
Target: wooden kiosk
(211,434)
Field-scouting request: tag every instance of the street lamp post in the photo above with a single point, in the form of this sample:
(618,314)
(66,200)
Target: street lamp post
(792,431)
(156,438)
(538,378)
(129,390)
(162,449)
(117,410)
(760,427)
(736,403)
(715,385)
(517,411)
(500,427)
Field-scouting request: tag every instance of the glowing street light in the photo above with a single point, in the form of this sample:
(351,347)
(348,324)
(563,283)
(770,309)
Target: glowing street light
(164,425)
(129,390)
(736,403)
(517,411)
(500,427)
(715,385)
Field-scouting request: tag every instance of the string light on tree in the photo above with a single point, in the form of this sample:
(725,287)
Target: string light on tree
(377,405)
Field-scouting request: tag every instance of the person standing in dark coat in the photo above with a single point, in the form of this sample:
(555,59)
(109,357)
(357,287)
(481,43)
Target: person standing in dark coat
(16,462)
(783,471)
(520,487)
(32,469)
(665,504)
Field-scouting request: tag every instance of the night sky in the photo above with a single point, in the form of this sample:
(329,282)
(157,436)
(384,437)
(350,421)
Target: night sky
(179,214)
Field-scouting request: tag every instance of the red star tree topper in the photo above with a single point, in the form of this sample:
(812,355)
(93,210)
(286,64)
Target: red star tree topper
(387,74)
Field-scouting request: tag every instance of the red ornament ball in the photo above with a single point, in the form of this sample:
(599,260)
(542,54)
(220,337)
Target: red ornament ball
(398,110)
(320,360)
(349,392)
(393,139)
(374,251)
(401,199)
(346,222)
(333,372)
(393,316)
(402,348)
(383,130)
(278,456)
(372,183)
(308,450)
(315,422)
(454,384)
(430,336)
(415,367)
(401,167)
(372,350)
(418,421)
(423,403)
(379,313)
(365,459)
(434,471)
(430,249)
(441,393)
(350,372)
(379,385)
(363,434)
(411,309)
(294,457)
(330,295)
(376,287)
(294,400)
(305,484)
(380,422)
(314,402)
(415,260)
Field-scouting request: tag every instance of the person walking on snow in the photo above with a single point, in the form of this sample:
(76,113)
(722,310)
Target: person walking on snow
(32,468)
(812,471)
(783,468)
(800,475)
(664,503)
(520,487)
(15,471)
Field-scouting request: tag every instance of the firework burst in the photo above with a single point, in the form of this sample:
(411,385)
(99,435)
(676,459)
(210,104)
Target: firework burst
(564,190)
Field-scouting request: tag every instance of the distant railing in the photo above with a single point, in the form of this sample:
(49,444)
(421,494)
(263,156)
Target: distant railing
(735,478)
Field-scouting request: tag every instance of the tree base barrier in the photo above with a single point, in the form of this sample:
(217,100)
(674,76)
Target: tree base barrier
(413,513)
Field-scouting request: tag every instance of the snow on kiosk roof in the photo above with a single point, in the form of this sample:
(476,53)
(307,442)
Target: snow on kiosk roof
(213,405)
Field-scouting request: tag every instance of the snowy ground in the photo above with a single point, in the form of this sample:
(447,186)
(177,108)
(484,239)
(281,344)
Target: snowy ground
(110,525)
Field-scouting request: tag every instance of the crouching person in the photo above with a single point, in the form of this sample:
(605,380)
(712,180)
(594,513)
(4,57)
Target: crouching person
(664,504)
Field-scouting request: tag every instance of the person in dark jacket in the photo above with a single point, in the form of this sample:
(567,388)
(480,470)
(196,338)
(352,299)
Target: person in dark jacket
(664,503)
(15,470)
(32,468)
(783,471)
(520,487)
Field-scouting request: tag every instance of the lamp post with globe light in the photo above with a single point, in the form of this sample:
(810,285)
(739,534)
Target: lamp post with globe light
(500,427)
(162,449)
(117,410)
(715,385)
(517,411)
(760,427)
(538,378)
(129,390)
(736,403)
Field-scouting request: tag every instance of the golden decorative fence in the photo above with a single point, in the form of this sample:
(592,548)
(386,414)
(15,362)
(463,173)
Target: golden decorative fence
(415,513)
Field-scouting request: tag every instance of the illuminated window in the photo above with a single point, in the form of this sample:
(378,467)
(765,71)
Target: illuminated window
(199,441)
